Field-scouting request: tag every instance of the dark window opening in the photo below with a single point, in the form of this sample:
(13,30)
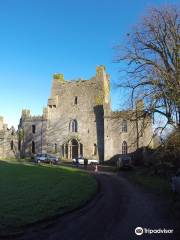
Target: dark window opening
(66,151)
(55,148)
(81,149)
(75,100)
(19,145)
(12,145)
(95,149)
(33,147)
(33,128)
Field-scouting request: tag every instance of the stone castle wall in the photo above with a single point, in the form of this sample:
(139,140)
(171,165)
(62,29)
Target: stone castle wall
(8,141)
(78,120)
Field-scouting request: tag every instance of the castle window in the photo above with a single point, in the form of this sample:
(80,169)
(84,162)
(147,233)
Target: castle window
(81,149)
(124,148)
(33,128)
(55,148)
(75,100)
(124,126)
(73,126)
(33,147)
(19,145)
(95,149)
(12,145)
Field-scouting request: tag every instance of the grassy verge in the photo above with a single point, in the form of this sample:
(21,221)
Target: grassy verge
(31,193)
(159,185)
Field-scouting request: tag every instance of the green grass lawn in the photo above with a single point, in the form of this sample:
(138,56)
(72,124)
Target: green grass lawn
(29,193)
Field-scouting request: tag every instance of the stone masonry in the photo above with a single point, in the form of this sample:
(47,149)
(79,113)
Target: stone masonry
(8,141)
(78,121)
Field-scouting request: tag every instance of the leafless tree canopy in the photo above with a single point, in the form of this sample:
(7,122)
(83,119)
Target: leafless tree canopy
(152,57)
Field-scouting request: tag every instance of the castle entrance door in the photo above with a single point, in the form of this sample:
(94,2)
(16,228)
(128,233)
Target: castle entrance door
(74,145)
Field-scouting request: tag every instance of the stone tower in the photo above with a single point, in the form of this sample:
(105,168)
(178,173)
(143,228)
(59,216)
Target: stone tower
(78,120)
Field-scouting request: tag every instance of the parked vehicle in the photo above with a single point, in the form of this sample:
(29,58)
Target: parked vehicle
(175,182)
(124,162)
(93,161)
(46,158)
(53,159)
(80,160)
(41,157)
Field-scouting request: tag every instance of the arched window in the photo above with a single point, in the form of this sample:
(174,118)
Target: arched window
(124,126)
(73,126)
(12,145)
(33,147)
(124,148)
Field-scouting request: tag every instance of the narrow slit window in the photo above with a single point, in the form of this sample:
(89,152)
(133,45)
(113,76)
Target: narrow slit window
(95,150)
(33,128)
(55,148)
(12,145)
(75,100)
(33,147)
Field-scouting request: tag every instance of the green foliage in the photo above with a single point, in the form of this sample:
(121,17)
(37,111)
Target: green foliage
(165,159)
(30,193)
(58,76)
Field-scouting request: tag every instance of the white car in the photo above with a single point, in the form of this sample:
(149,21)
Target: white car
(80,161)
(93,161)
(175,182)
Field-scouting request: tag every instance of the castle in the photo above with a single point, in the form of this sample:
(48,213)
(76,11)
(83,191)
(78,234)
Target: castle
(78,121)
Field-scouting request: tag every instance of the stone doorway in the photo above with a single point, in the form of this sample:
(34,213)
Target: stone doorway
(74,147)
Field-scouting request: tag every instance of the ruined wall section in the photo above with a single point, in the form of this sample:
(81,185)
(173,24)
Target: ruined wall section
(8,141)
(27,135)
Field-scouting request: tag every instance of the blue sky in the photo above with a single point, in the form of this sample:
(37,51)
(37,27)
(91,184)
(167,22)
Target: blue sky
(40,37)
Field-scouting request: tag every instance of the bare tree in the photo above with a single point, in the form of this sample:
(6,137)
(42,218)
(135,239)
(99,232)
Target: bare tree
(152,57)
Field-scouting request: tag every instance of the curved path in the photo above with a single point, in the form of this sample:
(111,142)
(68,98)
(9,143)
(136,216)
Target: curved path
(117,210)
